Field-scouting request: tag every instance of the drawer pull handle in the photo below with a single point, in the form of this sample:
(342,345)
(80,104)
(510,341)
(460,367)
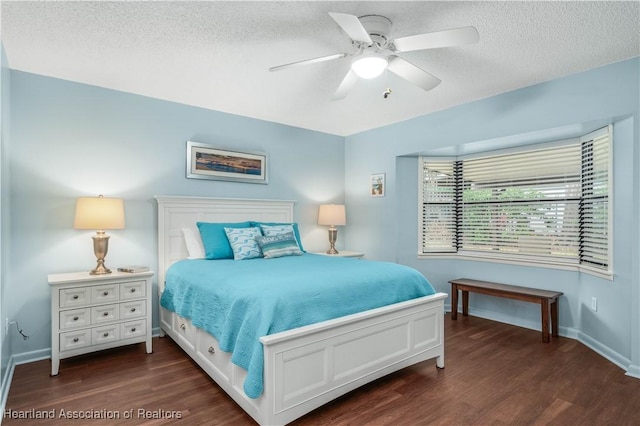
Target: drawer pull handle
(211,350)
(106,314)
(106,334)
(133,290)
(75,297)
(133,329)
(75,318)
(183,327)
(133,309)
(106,293)
(76,340)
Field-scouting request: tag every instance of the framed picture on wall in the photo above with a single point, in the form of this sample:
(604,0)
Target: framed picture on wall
(209,162)
(377,185)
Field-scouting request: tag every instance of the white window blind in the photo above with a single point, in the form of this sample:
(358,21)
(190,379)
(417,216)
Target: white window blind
(594,208)
(546,204)
(439,214)
(523,204)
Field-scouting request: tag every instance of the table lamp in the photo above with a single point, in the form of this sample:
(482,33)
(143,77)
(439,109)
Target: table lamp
(99,213)
(332,215)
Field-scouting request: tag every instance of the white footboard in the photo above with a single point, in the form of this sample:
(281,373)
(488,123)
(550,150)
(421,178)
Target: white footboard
(310,366)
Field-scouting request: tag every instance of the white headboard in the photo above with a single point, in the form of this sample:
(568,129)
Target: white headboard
(175,213)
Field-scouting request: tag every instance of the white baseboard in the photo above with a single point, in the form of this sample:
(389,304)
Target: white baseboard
(14,360)
(599,348)
(602,350)
(634,371)
(27,357)
(32,356)
(605,351)
(6,384)
(507,319)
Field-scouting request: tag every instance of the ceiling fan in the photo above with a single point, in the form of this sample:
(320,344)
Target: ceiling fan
(376,52)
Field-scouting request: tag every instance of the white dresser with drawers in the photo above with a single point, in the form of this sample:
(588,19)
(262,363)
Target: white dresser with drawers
(94,312)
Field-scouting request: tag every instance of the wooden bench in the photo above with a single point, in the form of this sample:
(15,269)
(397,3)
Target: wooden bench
(548,300)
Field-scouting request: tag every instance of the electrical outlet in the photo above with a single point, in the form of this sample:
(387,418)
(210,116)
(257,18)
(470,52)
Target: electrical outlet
(594,304)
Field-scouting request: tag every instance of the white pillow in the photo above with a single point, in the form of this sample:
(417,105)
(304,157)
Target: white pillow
(194,244)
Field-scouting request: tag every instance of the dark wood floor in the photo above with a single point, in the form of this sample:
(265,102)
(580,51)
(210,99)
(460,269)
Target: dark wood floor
(495,374)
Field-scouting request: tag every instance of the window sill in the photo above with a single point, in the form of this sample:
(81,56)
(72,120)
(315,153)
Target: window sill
(607,275)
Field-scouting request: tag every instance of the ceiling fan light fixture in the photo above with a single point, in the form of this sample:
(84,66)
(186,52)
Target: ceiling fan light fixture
(369,66)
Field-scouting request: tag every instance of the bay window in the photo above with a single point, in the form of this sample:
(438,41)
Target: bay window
(542,204)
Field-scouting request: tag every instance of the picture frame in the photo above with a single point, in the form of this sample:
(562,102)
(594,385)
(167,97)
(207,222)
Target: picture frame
(377,185)
(210,162)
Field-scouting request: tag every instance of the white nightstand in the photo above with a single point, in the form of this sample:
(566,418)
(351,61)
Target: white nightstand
(343,253)
(95,312)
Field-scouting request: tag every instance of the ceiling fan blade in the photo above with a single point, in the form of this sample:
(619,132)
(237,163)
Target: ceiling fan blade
(412,73)
(446,38)
(352,26)
(309,61)
(348,82)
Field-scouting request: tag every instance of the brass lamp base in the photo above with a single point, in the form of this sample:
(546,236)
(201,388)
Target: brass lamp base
(333,236)
(100,269)
(100,248)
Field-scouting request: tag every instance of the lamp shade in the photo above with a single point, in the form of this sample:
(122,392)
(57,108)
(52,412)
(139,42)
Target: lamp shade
(99,213)
(332,214)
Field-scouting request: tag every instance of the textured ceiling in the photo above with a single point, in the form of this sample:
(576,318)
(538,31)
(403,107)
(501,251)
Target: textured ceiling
(216,55)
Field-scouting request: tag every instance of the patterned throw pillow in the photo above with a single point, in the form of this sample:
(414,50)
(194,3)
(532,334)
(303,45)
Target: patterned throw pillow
(283,228)
(243,242)
(279,245)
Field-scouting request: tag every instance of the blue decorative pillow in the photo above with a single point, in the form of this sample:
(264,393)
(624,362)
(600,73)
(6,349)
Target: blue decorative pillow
(243,242)
(279,245)
(214,239)
(270,229)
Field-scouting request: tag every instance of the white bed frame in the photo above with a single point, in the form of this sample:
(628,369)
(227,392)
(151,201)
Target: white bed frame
(309,366)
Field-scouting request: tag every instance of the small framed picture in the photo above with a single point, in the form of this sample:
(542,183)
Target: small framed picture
(208,162)
(376,185)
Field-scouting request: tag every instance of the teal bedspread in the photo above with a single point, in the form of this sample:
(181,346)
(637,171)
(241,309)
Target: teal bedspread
(240,301)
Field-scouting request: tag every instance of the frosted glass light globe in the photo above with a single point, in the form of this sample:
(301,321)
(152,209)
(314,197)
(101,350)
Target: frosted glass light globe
(369,66)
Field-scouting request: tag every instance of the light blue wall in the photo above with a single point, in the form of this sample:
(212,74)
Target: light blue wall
(70,140)
(4,206)
(387,227)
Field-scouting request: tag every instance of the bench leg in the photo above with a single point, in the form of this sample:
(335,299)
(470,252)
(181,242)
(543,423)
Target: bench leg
(545,320)
(454,302)
(554,318)
(465,303)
